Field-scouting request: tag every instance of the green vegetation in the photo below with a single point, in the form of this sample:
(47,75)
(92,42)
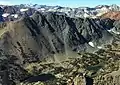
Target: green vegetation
(95,65)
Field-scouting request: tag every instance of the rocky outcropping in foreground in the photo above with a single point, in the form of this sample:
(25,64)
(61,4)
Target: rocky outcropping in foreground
(100,68)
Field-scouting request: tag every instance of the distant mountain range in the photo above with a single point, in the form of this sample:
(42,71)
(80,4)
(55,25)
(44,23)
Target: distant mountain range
(16,11)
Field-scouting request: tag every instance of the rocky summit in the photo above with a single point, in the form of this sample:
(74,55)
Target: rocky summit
(50,48)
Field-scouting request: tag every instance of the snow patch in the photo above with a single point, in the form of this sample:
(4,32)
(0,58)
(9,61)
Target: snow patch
(5,14)
(55,8)
(42,9)
(51,10)
(23,10)
(109,30)
(94,17)
(100,13)
(104,9)
(114,31)
(91,44)
(15,15)
(99,47)
(86,11)
(86,15)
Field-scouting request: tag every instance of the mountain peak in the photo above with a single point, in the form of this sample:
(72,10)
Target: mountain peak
(17,11)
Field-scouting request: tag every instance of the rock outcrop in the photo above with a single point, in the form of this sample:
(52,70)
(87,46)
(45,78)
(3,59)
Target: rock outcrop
(115,15)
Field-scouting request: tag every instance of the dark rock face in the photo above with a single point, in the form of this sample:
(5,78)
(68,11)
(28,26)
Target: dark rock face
(42,77)
(89,81)
(1,12)
(10,71)
(10,9)
(117,25)
(48,34)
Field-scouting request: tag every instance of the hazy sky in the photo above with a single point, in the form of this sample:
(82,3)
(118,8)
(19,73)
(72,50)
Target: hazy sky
(69,3)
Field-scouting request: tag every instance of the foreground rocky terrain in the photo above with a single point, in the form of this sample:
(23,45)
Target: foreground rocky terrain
(99,68)
(52,49)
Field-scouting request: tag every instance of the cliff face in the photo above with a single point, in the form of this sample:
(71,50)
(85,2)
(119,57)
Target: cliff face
(49,34)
